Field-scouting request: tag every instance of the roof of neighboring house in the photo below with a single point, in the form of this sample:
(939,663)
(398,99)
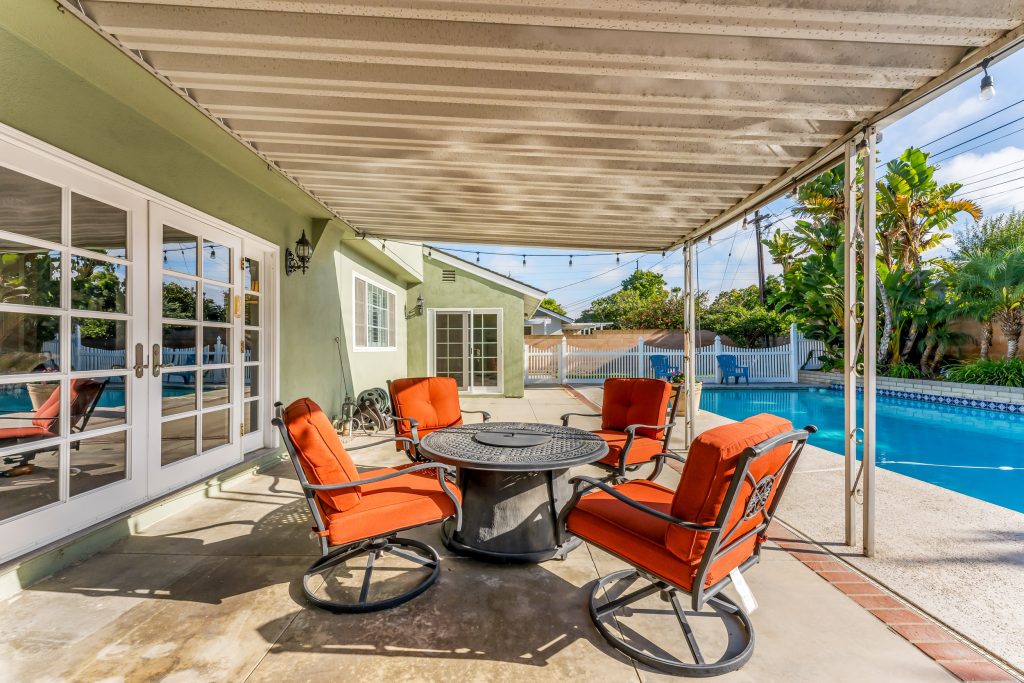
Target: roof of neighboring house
(531,295)
(552,314)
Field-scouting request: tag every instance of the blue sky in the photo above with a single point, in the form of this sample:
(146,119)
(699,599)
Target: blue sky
(991,167)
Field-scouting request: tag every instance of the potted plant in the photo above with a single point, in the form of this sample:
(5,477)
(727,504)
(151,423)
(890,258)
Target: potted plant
(679,379)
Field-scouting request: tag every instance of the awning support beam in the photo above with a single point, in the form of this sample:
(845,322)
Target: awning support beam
(689,342)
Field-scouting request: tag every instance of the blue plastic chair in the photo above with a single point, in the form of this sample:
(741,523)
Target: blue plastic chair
(662,368)
(727,363)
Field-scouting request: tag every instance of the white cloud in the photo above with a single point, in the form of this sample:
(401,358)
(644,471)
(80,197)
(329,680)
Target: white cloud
(994,179)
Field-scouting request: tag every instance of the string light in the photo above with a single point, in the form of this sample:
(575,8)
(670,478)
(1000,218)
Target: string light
(213,253)
(384,245)
(478,257)
(570,260)
(524,259)
(616,258)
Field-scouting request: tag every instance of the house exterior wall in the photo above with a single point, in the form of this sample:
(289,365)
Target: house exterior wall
(468,291)
(65,85)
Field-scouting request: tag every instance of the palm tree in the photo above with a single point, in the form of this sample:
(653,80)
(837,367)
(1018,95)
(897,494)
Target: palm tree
(995,283)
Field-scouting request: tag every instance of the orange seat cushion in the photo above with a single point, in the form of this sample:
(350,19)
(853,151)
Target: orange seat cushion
(710,465)
(392,505)
(635,401)
(10,436)
(432,401)
(641,450)
(635,536)
(321,455)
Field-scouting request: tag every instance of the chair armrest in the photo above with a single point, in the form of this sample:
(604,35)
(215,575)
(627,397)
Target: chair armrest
(565,418)
(372,480)
(413,422)
(596,483)
(631,429)
(483,413)
(393,439)
(413,428)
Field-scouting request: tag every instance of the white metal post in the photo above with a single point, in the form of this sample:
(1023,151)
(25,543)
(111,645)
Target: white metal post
(562,351)
(850,303)
(690,344)
(870,344)
(641,358)
(794,354)
(714,359)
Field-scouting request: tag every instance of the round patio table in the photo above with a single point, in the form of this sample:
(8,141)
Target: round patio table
(514,481)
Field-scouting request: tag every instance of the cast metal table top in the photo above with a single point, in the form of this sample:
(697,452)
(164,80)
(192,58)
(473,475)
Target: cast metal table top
(514,446)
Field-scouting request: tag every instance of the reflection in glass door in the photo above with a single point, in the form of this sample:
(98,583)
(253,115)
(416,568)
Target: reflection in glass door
(196,322)
(467,347)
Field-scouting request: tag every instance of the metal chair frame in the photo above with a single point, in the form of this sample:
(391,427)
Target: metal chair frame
(412,449)
(374,547)
(617,473)
(720,543)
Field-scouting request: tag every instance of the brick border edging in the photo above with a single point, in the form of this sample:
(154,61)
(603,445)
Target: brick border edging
(935,640)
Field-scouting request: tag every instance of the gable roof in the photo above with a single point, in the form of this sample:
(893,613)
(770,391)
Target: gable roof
(531,295)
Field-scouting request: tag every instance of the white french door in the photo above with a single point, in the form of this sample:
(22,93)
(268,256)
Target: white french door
(194,363)
(467,346)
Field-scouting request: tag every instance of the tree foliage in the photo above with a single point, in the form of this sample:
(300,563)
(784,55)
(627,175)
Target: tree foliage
(552,305)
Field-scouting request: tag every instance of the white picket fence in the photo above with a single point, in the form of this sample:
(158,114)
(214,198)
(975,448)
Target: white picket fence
(564,364)
(91,358)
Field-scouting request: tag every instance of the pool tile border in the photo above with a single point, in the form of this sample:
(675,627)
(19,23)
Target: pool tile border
(983,404)
(932,638)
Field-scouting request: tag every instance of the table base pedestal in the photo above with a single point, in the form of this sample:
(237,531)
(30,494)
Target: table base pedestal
(510,516)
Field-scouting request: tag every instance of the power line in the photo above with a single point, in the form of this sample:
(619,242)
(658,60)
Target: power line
(974,122)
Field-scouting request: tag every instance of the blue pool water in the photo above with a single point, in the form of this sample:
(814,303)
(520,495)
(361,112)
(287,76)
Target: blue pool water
(979,453)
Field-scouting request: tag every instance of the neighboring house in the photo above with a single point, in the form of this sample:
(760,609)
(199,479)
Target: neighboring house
(143,246)
(471,327)
(546,321)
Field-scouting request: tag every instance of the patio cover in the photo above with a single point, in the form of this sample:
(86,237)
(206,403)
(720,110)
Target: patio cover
(585,124)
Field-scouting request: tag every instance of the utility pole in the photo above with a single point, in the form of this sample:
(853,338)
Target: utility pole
(760,256)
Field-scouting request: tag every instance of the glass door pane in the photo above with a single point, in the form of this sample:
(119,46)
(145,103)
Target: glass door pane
(486,352)
(451,346)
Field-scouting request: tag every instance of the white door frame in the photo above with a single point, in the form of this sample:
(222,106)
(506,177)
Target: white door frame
(432,355)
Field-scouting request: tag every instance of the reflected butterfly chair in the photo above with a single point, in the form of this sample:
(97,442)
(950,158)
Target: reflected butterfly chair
(422,405)
(84,396)
(362,513)
(635,422)
(693,541)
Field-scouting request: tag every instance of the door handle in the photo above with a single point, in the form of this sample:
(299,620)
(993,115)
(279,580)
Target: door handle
(140,361)
(156,360)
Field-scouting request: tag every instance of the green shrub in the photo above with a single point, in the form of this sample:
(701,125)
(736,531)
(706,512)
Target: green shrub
(1004,373)
(903,371)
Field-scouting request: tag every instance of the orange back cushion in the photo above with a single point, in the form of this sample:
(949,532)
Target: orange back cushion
(323,458)
(709,469)
(48,415)
(431,401)
(635,401)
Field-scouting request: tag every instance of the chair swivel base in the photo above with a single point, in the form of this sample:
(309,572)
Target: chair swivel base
(602,611)
(421,554)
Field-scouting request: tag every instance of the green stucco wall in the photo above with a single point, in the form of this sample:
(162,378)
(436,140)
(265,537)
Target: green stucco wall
(468,291)
(65,85)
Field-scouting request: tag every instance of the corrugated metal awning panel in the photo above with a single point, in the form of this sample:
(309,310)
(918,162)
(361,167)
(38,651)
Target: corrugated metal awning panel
(584,124)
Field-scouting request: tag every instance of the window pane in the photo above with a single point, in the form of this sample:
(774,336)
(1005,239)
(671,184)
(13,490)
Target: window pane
(97,402)
(252,310)
(216,345)
(29,343)
(29,206)
(98,227)
(29,275)
(216,303)
(252,345)
(251,381)
(179,251)
(98,344)
(179,298)
(251,274)
(179,346)
(29,482)
(97,462)
(177,392)
(177,440)
(98,285)
(216,262)
(29,411)
(251,416)
(216,430)
(216,387)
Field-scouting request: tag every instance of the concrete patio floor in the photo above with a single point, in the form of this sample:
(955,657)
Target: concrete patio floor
(212,593)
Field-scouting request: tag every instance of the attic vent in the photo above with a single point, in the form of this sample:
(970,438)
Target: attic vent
(447,276)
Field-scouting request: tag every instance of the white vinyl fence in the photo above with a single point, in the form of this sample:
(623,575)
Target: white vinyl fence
(564,364)
(90,358)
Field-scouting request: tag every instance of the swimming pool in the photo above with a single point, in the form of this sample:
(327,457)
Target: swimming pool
(979,453)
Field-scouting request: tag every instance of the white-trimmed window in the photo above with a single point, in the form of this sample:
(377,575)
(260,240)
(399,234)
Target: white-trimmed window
(374,308)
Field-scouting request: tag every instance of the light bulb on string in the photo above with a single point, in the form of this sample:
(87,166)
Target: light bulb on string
(478,257)
(616,259)
(570,260)
(524,259)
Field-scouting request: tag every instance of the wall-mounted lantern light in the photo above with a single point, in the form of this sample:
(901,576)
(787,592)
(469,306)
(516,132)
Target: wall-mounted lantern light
(298,259)
(415,310)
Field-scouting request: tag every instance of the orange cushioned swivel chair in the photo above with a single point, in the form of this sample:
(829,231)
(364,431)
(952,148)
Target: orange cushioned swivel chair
(695,540)
(362,513)
(636,423)
(422,405)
